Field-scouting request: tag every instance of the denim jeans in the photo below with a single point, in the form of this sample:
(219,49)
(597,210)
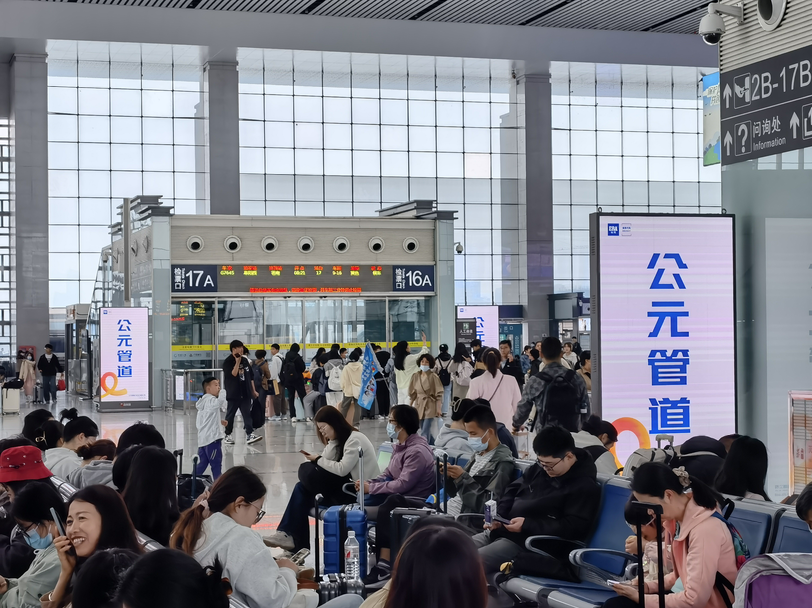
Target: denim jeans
(427,429)
(447,398)
(49,388)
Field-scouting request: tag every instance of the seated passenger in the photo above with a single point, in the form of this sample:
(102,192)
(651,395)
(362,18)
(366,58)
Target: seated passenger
(438,567)
(20,466)
(122,464)
(702,548)
(170,579)
(97,520)
(32,511)
(33,421)
(649,533)
(505,436)
(487,474)
(411,470)
(453,435)
(559,496)
(140,433)
(151,493)
(79,431)
(597,437)
(324,474)
(99,579)
(744,471)
(97,465)
(803,506)
(702,457)
(218,530)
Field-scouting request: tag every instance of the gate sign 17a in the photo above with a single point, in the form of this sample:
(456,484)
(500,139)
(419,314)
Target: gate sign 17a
(767,107)
(194,278)
(413,278)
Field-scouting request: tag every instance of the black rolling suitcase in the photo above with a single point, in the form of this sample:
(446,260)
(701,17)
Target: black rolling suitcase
(332,586)
(403,518)
(190,486)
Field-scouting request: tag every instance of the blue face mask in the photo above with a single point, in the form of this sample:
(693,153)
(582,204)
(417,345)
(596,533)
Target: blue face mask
(392,431)
(36,541)
(478,444)
(424,368)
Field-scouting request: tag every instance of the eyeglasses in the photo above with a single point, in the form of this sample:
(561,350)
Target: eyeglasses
(260,513)
(549,467)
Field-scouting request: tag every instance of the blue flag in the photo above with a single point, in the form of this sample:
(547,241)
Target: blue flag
(368,383)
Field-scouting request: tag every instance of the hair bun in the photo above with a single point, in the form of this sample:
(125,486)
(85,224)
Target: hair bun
(70,414)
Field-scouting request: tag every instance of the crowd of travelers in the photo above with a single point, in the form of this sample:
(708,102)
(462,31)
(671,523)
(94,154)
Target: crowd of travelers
(92,551)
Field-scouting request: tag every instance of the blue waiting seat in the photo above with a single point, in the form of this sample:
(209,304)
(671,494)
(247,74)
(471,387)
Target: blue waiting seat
(792,535)
(610,532)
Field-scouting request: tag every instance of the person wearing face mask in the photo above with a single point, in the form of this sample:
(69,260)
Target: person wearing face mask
(28,374)
(324,474)
(31,510)
(97,520)
(410,473)
(218,529)
(351,387)
(426,395)
(20,466)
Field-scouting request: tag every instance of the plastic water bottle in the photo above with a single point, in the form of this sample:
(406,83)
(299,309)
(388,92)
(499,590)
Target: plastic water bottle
(352,557)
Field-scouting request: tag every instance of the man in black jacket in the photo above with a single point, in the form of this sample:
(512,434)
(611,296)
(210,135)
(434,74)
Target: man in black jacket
(238,380)
(49,366)
(511,366)
(559,496)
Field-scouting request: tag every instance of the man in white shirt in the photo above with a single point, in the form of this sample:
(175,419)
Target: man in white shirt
(280,405)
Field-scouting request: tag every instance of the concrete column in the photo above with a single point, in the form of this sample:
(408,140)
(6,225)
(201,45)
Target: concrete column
(443,322)
(536,197)
(29,141)
(221,90)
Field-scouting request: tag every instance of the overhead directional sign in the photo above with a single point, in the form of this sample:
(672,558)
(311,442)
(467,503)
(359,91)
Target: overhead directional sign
(767,107)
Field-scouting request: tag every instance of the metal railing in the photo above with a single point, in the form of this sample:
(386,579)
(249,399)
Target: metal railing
(182,387)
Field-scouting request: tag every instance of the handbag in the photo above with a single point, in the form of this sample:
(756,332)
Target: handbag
(60,385)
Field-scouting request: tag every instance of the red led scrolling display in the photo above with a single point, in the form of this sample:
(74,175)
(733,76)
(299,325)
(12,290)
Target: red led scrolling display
(305,279)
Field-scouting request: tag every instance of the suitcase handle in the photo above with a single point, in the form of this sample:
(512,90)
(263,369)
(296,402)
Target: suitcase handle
(658,522)
(361,476)
(319,498)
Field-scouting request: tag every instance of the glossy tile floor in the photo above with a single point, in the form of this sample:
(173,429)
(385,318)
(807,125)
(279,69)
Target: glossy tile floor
(276,458)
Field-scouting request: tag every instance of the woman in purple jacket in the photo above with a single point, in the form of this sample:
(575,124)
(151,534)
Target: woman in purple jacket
(411,470)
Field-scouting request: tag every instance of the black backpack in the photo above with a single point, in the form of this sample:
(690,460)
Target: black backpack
(257,375)
(444,374)
(560,401)
(288,377)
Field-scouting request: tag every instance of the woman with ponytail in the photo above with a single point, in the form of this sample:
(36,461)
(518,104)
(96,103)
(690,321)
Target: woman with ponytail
(501,390)
(60,456)
(702,542)
(217,530)
(97,465)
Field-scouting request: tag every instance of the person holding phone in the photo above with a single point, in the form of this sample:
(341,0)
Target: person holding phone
(238,380)
(97,520)
(324,474)
(406,366)
(32,510)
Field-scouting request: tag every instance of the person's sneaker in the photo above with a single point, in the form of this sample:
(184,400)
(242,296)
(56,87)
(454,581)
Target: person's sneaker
(294,420)
(310,419)
(378,576)
(279,539)
(253,438)
(229,440)
(381,417)
(284,416)
(276,418)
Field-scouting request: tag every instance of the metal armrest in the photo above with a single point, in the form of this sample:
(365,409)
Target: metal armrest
(561,546)
(470,516)
(576,558)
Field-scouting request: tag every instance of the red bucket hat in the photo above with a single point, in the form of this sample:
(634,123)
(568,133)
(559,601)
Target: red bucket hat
(22,464)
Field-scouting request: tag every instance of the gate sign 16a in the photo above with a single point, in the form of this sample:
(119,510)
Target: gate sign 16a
(413,278)
(767,107)
(194,278)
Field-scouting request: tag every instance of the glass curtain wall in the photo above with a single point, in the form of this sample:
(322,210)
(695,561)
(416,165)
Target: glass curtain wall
(123,120)
(626,138)
(339,134)
(8,298)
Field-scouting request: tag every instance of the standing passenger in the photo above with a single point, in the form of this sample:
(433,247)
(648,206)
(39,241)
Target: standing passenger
(426,395)
(280,406)
(49,366)
(442,364)
(406,366)
(351,387)
(293,378)
(239,385)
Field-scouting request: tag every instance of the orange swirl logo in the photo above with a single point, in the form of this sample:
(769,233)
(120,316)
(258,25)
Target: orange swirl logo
(636,427)
(111,390)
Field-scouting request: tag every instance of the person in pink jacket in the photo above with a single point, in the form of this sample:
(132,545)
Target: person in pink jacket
(501,390)
(702,544)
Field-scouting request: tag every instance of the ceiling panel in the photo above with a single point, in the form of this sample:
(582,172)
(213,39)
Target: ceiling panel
(675,16)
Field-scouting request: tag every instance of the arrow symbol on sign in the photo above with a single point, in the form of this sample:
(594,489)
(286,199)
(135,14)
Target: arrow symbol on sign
(727,93)
(728,142)
(794,123)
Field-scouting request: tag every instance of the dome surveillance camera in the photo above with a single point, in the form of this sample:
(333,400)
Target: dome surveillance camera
(458,248)
(712,25)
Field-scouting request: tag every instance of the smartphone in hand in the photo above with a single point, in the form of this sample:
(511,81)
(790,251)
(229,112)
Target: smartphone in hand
(501,520)
(305,453)
(60,527)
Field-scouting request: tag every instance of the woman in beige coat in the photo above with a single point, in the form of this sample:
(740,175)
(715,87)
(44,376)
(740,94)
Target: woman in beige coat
(28,374)
(426,394)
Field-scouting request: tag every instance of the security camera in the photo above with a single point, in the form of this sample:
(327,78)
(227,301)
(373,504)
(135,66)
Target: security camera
(458,248)
(712,25)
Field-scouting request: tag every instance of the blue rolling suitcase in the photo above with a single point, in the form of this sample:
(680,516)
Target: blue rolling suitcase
(337,521)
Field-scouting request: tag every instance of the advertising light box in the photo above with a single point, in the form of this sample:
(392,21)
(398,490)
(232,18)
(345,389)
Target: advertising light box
(487,322)
(663,326)
(124,354)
